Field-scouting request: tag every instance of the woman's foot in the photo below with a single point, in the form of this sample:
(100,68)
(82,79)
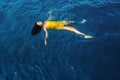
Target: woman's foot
(87,37)
(83,21)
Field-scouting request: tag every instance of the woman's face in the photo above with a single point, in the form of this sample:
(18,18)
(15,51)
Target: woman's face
(40,23)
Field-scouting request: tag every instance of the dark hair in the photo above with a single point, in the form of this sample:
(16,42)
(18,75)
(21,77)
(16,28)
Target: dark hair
(36,29)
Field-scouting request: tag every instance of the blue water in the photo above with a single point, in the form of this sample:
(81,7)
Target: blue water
(67,56)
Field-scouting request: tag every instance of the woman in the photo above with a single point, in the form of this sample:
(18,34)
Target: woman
(58,25)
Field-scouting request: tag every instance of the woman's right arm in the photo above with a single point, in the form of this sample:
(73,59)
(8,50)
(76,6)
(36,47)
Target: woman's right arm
(46,36)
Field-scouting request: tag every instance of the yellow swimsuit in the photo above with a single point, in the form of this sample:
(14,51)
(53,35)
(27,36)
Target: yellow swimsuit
(54,24)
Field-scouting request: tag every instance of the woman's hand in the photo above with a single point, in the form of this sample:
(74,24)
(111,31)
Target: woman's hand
(45,43)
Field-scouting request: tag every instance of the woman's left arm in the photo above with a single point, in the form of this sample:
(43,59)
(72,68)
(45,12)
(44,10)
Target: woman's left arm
(50,15)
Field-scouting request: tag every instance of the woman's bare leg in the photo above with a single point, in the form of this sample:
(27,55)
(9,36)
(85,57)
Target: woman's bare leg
(75,31)
(68,22)
(71,22)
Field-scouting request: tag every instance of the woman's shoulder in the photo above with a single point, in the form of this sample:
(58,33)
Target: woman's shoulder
(50,21)
(53,20)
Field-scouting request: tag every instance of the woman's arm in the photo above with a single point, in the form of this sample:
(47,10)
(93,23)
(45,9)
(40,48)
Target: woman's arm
(50,15)
(46,36)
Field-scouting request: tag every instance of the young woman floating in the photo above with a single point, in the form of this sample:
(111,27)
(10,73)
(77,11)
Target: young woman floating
(58,25)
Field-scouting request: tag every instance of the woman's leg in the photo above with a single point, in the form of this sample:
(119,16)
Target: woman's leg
(75,31)
(71,22)
(68,22)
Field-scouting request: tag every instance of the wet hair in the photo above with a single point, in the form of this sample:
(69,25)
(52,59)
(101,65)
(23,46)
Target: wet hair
(36,29)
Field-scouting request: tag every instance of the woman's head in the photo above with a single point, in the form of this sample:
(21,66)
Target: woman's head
(37,28)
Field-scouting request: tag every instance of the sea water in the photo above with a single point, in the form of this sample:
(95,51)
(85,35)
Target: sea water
(67,56)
